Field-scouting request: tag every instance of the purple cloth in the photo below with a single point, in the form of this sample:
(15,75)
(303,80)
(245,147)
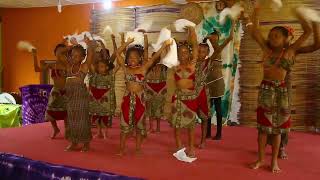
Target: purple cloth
(34,103)
(13,167)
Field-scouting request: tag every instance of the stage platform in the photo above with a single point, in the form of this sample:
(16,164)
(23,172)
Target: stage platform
(228,159)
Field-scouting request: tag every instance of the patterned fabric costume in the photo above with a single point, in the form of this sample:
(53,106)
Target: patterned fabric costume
(101,105)
(133,107)
(185,103)
(215,80)
(202,68)
(284,136)
(273,113)
(79,125)
(56,109)
(156,93)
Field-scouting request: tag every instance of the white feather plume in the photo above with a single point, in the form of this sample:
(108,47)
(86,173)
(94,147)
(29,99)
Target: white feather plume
(181,24)
(164,35)
(144,26)
(233,12)
(309,14)
(276,5)
(80,38)
(171,58)
(108,30)
(137,36)
(25,46)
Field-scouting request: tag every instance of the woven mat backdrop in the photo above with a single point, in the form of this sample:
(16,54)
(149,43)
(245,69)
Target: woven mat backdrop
(128,18)
(305,75)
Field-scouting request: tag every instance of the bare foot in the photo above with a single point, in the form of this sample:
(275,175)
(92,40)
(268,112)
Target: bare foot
(178,148)
(256,165)
(275,168)
(217,138)
(71,147)
(55,133)
(151,130)
(138,152)
(85,148)
(283,154)
(98,135)
(202,146)
(121,153)
(191,154)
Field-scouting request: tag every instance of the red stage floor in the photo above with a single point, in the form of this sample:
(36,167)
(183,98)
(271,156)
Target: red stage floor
(227,159)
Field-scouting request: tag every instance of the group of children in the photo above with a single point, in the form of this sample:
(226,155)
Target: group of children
(198,81)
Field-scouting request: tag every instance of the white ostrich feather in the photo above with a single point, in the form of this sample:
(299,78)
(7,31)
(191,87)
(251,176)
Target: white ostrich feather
(25,46)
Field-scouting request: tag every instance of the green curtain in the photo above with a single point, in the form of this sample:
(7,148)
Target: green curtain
(10,115)
(230,58)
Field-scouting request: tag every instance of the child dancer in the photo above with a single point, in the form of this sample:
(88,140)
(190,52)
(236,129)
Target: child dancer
(185,101)
(133,105)
(156,84)
(306,49)
(79,125)
(56,109)
(101,105)
(210,76)
(273,113)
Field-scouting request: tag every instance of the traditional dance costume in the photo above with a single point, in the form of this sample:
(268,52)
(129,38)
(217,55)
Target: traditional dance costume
(79,125)
(185,103)
(133,107)
(273,113)
(203,97)
(56,109)
(156,93)
(113,99)
(216,86)
(101,105)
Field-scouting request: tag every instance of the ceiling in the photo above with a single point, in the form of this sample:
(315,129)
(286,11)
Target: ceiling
(43,3)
